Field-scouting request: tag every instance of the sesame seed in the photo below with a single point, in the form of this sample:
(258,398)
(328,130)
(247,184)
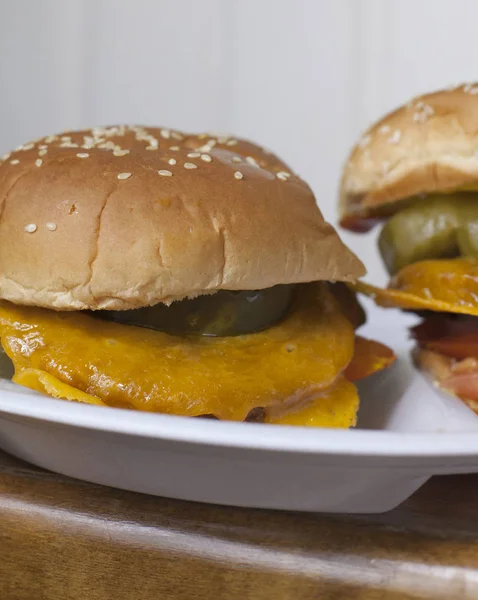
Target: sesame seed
(385,129)
(119,152)
(174,148)
(65,138)
(352,181)
(51,226)
(82,155)
(364,141)
(165,173)
(473,91)
(283,175)
(30,228)
(205,148)
(51,138)
(176,135)
(236,159)
(124,175)
(151,147)
(6,156)
(222,139)
(28,146)
(38,162)
(165,133)
(423,112)
(172,161)
(42,147)
(395,137)
(15,161)
(252,161)
(206,158)
(238,175)
(231,142)
(194,155)
(189,165)
(42,152)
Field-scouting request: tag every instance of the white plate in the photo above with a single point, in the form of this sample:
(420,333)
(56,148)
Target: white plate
(407,432)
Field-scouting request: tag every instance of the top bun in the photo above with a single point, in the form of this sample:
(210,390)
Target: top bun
(428,145)
(123,217)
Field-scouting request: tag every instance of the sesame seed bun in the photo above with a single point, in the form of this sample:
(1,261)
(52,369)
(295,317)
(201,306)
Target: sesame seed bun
(428,145)
(124,217)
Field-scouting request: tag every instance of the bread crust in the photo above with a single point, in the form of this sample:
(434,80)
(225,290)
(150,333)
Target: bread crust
(123,217)
(428,145)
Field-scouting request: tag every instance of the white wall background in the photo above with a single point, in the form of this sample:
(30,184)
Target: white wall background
(303,77)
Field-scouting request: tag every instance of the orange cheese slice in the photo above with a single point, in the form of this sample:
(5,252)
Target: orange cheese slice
(43,382)
(334,407)
(445,285)
(131,367)
(369,357)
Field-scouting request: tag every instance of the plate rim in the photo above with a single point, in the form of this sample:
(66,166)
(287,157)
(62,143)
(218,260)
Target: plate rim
(246,436)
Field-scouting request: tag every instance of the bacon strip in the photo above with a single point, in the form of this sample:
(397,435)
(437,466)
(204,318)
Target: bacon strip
(448,350)
(451,335)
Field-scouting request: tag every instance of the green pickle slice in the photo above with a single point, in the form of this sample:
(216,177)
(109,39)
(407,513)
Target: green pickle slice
(438,226)
(223,313)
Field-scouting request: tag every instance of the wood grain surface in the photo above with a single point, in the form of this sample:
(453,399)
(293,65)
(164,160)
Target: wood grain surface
(64,539)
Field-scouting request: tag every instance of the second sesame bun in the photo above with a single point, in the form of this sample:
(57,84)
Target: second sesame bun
(124,217)
(428,145)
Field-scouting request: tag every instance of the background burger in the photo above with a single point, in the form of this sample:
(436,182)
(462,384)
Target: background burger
(417,171)
(149,269)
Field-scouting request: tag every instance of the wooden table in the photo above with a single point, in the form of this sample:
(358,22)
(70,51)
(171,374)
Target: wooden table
(62,539)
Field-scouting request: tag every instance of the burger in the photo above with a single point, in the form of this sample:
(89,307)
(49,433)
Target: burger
(415,172)
(148,269)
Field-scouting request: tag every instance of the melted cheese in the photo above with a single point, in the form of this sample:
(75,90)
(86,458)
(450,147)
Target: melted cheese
(369,357)
(61,353)
(43,382)
(444,285)
(334,407)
